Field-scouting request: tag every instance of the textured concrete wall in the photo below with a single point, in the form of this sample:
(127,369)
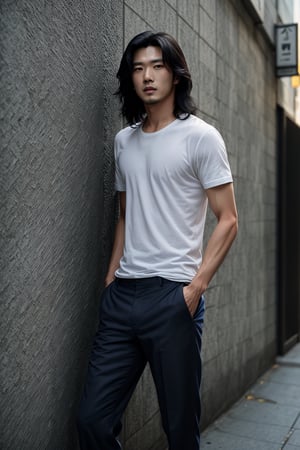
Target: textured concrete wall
(58,120)
(58,117)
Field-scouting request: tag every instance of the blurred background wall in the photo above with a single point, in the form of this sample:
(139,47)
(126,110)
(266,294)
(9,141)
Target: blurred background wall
(58,121)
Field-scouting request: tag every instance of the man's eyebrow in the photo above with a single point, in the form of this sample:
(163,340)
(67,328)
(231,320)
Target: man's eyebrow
(139,63)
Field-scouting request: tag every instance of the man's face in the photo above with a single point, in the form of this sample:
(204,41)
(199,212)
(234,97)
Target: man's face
(153,81)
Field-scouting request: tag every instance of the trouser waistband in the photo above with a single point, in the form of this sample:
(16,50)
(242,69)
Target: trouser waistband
(151,281)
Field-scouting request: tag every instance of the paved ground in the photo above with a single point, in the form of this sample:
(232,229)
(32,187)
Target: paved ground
(267,417)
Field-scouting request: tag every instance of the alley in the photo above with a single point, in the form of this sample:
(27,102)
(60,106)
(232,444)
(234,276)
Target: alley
(267,417)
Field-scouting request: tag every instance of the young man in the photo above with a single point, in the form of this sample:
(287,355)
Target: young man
(169,165)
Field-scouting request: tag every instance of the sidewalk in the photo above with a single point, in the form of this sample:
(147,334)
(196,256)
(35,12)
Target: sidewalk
(267,417)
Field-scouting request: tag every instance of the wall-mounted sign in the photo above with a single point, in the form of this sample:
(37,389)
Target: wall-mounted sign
(286,38)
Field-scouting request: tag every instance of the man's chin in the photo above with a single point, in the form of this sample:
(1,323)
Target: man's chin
(150,101)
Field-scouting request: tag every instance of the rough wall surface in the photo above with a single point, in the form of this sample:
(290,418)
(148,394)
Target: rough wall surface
(57,207)
(59,117)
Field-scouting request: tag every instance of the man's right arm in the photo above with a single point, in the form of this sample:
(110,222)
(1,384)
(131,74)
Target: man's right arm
(117,251)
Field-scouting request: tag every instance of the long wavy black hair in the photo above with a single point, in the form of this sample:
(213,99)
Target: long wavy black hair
(132,107)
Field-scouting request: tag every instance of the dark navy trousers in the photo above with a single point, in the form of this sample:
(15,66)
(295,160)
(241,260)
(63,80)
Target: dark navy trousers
(143,320)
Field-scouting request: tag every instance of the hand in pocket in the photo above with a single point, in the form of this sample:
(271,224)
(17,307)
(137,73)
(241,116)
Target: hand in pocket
(191,298)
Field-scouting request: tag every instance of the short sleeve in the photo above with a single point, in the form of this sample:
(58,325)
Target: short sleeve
(120,184)
(211,161)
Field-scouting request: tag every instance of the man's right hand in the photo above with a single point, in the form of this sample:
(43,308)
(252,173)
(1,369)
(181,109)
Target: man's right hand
(108,280)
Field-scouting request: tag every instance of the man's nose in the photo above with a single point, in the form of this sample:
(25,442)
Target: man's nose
(148,74)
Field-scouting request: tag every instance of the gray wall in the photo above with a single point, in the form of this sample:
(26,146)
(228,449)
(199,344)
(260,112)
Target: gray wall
(57,118)
(240,340)
(58,122)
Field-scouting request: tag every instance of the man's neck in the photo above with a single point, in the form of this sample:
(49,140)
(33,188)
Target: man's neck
(156,120)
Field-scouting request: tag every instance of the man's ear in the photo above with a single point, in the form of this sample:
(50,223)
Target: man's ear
(175,79)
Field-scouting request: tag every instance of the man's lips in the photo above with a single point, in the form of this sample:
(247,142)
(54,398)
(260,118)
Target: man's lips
(149,89)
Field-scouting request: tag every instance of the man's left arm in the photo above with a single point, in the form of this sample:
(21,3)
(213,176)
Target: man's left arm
(222,202)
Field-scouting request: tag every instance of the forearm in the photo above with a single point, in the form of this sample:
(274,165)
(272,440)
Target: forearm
(117,251)
(217,247)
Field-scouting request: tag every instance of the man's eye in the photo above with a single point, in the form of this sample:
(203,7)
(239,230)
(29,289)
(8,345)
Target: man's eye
(158,66)
(137,69)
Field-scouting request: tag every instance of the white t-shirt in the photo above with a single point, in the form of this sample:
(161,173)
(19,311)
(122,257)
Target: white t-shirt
(165,174)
